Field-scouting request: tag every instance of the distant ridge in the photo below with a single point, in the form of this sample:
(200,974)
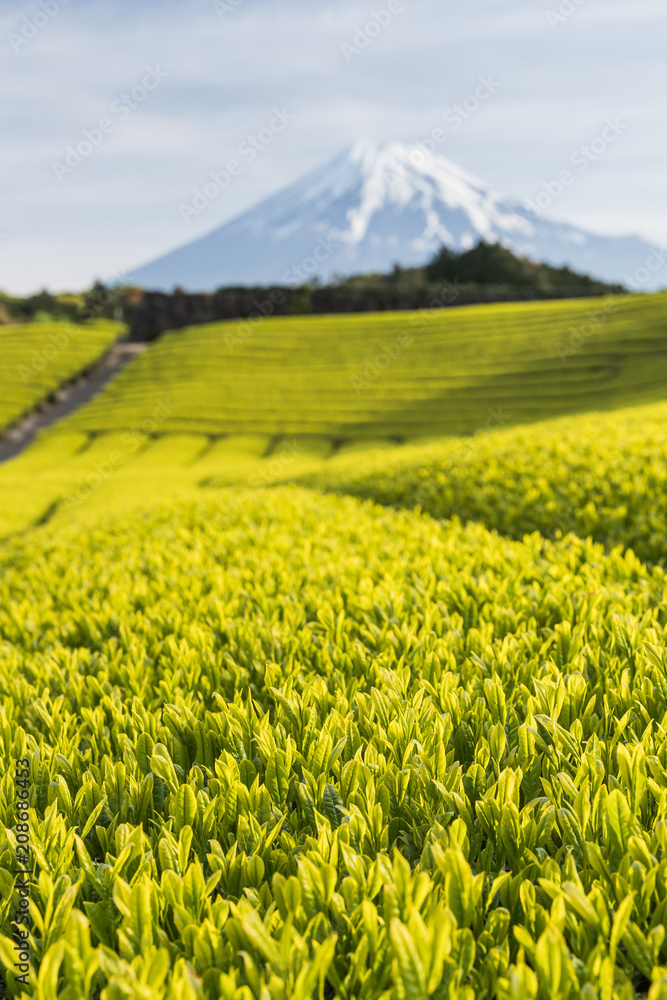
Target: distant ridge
(373,206)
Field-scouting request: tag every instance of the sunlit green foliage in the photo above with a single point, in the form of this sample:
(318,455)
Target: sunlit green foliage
(38,357)
(602,475)
(301,746)
(225,404)
(287,745)
(67,476)
(400,375)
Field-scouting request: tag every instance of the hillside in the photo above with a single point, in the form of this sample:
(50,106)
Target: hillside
(484,274)
(490,264)
(38,358)
(395,375)
(199,411)
(317,742)
(598,475)
(286,744)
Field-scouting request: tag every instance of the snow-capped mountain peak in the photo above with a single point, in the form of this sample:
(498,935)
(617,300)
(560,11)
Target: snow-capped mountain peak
(373,206)
(396,176)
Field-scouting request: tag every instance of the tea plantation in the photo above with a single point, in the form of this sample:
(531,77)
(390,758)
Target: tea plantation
(314,747)
(37,358)
(602,475)
(267,736)
(396,375)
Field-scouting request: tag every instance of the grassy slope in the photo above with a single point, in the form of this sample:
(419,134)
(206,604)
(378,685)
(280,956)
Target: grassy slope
(319,375)
(392,747)
(71,477)
(39,357)
(139,442)
(602,475)
(406,753)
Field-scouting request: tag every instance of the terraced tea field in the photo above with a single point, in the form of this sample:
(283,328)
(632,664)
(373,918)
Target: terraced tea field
(199,410)
(396,375)
(602,475)
(266,741)
(317,748)
(37,358)
(589,475)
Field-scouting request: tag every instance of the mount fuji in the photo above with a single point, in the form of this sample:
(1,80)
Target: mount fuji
(374,206)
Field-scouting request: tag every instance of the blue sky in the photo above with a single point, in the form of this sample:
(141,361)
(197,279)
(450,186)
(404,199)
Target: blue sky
(562,68)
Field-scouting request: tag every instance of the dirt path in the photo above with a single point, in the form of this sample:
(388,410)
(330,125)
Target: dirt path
(67,399)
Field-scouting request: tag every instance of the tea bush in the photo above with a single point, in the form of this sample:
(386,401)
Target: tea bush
(38,357)
(397,375)
(602,475)
(295,745)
